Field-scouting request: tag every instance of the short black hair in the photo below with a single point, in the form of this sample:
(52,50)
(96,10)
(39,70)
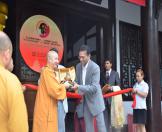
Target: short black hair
(85,48)
(54,49)
(108,59)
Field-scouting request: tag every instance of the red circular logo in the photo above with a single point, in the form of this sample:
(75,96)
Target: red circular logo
(43,29)
(38,35)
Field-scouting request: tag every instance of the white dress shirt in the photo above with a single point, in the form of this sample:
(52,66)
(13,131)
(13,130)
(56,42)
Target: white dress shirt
(108,72)
(84,71)
(140,101)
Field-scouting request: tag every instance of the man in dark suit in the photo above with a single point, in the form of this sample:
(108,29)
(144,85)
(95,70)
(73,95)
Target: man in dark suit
(110,77)
(88,79)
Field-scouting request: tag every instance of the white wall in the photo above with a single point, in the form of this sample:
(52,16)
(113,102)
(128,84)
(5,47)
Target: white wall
(128,12)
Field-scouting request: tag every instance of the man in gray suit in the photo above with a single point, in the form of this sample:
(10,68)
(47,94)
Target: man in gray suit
(88,85)
(110,77)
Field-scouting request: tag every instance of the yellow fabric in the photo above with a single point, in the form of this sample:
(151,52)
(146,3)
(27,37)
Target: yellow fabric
(117,109)
(45,112)
(13,113)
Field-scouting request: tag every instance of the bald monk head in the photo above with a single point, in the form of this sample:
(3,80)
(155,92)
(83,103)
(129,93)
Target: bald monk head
(52,58)
(5,50)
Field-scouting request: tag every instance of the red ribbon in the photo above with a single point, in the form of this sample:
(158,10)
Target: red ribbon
(78,96)
(134,101)
(69,94)
(117,93)
(73,95)
(31,86)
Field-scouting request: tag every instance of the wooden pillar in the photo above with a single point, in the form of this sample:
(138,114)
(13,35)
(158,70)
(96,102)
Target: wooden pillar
(110,36)
(152,65)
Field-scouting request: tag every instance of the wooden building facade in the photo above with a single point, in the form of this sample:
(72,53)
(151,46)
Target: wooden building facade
(83,23)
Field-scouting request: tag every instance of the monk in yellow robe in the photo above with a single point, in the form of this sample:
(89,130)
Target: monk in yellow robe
(48,94)
(13,113)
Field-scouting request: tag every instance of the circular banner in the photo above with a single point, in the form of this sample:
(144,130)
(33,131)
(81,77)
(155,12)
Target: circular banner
(38,35)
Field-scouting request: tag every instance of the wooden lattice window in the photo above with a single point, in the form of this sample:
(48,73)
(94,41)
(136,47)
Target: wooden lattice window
(130,53)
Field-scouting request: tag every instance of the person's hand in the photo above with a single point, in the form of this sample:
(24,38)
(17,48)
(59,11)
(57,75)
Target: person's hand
(75,86)
(106,88)
(67,84)
(134,91)
(109,87)
(23,88)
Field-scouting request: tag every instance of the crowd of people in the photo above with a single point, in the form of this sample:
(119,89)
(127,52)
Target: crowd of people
(49,112)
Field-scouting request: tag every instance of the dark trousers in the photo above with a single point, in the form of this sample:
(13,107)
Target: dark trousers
(107,114)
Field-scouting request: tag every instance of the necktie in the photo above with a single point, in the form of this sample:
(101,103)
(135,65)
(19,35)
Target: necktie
(107,77)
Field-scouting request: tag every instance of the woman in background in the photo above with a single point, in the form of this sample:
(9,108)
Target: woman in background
(140,90)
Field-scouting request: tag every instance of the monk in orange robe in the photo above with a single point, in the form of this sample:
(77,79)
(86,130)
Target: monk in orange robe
(48,94)
(13,112)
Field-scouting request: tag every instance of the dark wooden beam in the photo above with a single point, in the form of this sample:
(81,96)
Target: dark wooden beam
(73,6)
(82,7)
(110,34)
(152,65)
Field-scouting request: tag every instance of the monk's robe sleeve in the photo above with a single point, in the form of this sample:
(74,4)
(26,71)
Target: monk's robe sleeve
(54,88)
(17,118)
